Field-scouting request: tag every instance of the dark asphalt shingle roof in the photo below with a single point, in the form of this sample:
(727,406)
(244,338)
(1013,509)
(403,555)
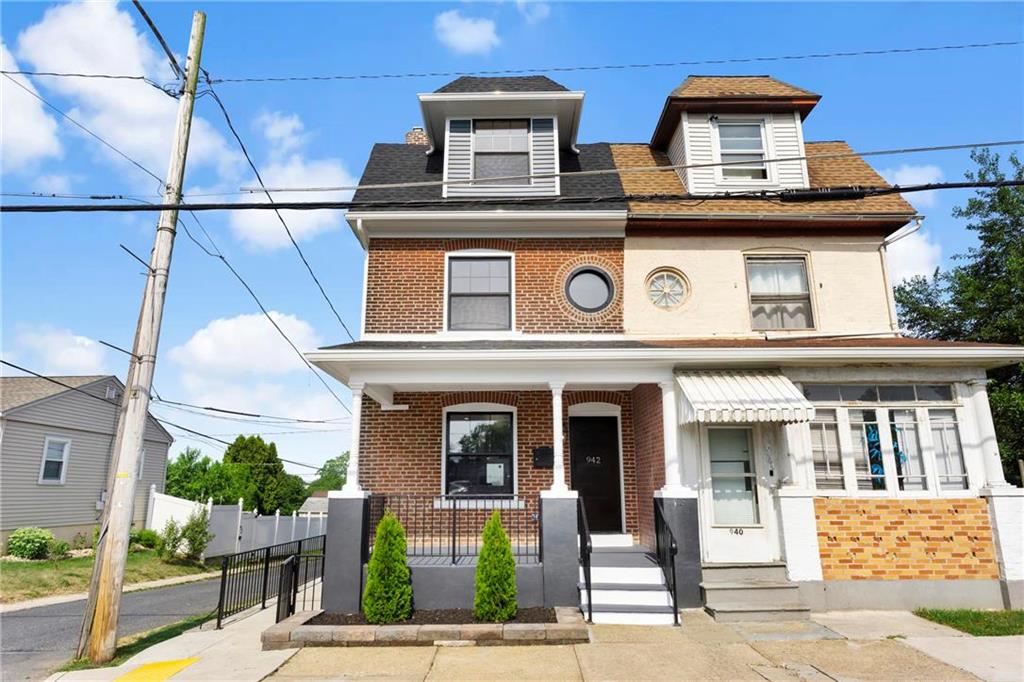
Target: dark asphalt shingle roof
(404,163)
(470,84)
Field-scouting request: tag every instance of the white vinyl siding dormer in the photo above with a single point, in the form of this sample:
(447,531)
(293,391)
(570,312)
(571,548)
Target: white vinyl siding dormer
(462,145)
(696,141)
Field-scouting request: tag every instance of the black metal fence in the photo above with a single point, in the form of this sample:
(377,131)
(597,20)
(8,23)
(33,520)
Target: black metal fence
(248,578)
(449,528)
(301,585)
(667,550)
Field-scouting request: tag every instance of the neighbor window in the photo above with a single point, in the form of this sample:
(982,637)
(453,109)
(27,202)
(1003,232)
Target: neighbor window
(949,456)
(480,294)
(779,295)
(55,460)
(868,466)
(742,146)
(906,446)
(828,465)
(478,453)
(501,148)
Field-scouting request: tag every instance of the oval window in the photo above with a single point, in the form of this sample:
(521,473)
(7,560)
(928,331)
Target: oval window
(666,288)
(589,289)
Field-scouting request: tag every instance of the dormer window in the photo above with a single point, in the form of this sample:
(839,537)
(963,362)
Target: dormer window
(501,149)
(742,145)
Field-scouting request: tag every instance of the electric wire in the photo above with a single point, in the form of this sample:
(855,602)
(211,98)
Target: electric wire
(178,71)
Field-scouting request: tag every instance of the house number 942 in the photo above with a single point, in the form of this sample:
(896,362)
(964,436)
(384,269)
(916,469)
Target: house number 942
(594,459)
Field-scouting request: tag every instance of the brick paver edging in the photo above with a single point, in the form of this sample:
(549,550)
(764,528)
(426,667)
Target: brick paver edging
(293,633)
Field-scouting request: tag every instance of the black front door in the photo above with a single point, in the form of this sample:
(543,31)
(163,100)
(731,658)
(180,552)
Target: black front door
(594,459)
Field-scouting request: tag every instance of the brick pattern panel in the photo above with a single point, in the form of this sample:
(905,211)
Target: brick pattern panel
(400,451)
(650,457)
(886,539)
(405,283)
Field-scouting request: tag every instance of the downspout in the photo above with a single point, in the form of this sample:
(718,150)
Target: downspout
(894,324)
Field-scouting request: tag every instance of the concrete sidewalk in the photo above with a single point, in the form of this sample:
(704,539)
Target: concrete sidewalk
(233,653)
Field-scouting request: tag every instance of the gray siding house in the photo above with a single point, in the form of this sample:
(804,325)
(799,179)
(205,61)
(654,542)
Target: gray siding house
(55,446)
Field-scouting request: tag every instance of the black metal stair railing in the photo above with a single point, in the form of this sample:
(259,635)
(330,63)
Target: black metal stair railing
(667,549)
(586,549)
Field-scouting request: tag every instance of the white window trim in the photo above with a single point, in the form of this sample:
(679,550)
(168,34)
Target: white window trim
(808,273)
(598,409)
(442,503)
(477,333)
(767,137)
(65,460)
(922,409)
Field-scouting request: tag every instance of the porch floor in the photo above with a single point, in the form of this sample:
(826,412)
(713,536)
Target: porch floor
(461,560)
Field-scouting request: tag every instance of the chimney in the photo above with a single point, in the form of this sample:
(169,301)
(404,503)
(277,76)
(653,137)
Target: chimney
(416,136)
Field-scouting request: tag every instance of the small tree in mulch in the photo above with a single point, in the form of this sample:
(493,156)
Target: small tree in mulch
(388,594)
(495,598)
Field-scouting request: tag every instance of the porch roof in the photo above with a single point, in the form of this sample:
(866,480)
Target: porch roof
(741,396)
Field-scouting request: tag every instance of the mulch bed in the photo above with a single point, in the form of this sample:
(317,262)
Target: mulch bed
(535,614)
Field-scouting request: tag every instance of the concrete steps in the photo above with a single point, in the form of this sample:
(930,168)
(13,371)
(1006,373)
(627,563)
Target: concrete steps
(751,592)
(628,588)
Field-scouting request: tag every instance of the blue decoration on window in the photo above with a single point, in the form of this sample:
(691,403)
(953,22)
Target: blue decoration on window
(875,456)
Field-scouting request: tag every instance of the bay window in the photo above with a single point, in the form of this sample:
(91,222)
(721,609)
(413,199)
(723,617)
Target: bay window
(479,453)
(779,295)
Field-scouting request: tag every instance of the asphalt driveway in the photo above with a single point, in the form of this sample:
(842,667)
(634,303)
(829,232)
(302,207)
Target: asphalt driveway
(35,641)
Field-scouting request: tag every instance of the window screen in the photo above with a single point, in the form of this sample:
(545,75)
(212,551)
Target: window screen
(479,294)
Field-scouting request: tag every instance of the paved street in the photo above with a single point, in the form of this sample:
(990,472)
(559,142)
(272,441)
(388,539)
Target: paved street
(35,641)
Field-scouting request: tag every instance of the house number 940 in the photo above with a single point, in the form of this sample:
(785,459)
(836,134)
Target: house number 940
(736,531)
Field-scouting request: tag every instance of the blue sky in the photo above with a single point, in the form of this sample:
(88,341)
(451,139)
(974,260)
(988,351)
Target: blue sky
(67,284)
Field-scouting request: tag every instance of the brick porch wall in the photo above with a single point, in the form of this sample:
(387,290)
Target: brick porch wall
(400,451)
(886,539)
(650,460)
(405,283)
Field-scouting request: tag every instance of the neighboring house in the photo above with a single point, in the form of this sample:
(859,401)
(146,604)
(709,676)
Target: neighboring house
(316,503)
(55,448)
(729,368)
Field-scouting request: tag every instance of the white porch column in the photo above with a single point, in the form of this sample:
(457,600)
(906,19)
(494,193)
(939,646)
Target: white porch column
(352,475)
(670,440)
(994,476)
(558,472)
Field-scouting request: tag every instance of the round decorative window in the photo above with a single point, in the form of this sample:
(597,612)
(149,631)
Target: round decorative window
(666,288)
(589,289)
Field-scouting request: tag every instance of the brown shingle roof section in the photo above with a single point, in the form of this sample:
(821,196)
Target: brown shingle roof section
(18,391)
(704,87)
(840,172)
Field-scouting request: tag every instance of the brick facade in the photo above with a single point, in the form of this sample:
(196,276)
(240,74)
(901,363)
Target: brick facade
(401,451)
(650,460)
(405,283)
(922,539)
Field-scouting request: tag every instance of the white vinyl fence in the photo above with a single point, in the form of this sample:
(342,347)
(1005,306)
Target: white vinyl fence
(234,529)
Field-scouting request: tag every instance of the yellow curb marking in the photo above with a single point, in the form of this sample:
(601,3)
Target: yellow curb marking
(157,672)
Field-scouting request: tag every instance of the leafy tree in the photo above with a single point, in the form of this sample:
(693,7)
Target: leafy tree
(388,594)
(332,475)
(981,299)
(495,597)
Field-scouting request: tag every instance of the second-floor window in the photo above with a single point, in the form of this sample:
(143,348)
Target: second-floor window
(741,145)
(501,149)
(779,295)
(480,294)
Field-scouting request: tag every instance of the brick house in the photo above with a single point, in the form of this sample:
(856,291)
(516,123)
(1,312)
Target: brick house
(724,372)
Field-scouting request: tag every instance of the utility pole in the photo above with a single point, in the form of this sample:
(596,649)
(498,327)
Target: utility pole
(99,627)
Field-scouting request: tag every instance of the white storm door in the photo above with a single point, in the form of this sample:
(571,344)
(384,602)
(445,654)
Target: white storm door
(736,511)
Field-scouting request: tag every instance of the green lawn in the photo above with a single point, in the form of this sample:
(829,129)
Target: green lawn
(979,623)
(27,580)
(129,646)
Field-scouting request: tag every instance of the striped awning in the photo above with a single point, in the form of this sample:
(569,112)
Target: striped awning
(740,397)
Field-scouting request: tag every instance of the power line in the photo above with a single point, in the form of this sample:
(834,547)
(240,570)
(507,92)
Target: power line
(214,254)
(239,413)
(560,69)
(291,238)
(163,43)
(803,196)
(651,169)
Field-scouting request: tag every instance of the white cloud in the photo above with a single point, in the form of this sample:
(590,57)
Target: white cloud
(53,183)
(245,345)
(28,134)
(915,255)
(288,167)
(533,12)
(98,37)
(466,35)
(907,174)
(50,350)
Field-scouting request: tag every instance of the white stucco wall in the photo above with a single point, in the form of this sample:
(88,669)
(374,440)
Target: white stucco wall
(845,276)
(1006,509)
